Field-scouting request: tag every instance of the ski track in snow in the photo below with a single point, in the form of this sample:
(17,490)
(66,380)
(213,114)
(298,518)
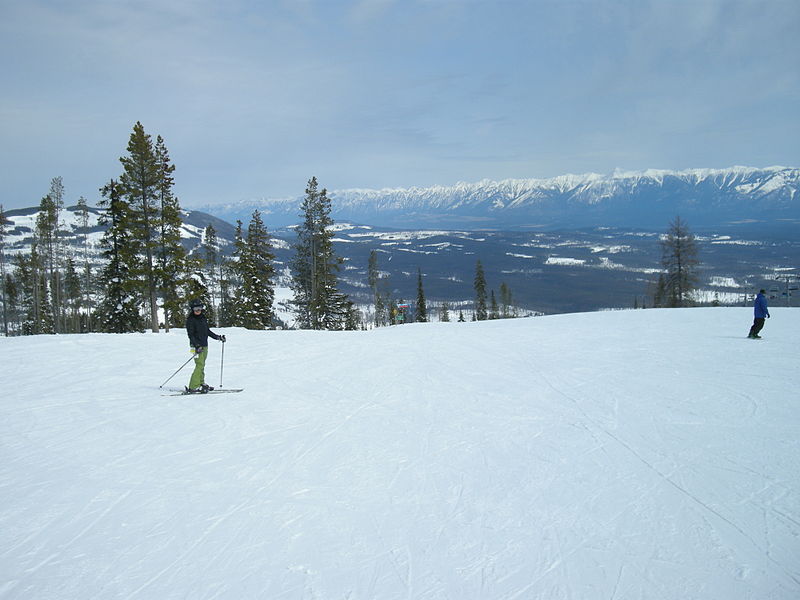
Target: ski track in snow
(667,478)
(634,454)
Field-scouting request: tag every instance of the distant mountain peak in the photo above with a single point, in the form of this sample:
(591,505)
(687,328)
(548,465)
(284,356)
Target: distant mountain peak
(622,198)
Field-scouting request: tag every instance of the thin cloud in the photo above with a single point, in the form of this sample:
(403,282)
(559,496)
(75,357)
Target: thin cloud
(253,98)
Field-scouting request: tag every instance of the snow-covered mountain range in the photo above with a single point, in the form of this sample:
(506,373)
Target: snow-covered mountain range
(548,271)
(704,197)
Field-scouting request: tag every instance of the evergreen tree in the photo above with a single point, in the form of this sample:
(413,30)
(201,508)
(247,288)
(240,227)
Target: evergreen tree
(46,321)
(445,312)
(422,308)
(228,282)
(3,284)
(195,286)
(505,300)
(72,298)
(211,263)
(172,259)
(373,276)
(660,292)
(680,262)
(225,311)
(305,282)
(317,300)
(480,293)
(140,185)
(494,312)
(83,216)
(26,275)
(352,317)
(57,259)
(45,239)
(377,284)
(234,276)
(118,310)
(255,265)
(11,298)
(381,310)
(35,296)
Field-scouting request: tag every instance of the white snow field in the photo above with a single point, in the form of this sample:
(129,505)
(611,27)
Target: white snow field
(614,455)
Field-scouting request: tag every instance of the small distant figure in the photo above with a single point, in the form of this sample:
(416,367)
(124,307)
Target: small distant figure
(761,312)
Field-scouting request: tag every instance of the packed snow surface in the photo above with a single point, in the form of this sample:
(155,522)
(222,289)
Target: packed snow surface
(636,454)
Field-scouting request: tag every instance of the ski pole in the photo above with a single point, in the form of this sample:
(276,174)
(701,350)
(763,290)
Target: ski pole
(176,372)
(221,362)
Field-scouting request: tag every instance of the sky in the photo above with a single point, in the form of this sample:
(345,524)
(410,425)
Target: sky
(253,98)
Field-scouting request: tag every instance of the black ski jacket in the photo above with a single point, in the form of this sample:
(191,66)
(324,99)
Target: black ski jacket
(197,328)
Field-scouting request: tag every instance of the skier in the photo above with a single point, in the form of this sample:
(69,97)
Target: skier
(761,312)
(197,328)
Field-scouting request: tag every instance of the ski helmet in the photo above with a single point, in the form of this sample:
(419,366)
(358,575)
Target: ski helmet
(196,304)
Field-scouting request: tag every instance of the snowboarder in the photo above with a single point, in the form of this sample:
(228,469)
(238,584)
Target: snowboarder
(761,312)
(197,328)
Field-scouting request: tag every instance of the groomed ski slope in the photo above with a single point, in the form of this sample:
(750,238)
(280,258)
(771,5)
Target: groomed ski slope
(616,455)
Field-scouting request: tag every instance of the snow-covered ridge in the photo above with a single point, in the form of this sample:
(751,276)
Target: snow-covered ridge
(588,186)
(571,181)
(626,198)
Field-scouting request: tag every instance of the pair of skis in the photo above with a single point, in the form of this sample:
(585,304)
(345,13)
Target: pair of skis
(188,393)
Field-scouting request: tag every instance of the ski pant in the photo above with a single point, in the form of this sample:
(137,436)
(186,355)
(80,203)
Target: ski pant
(198,375)
(758,325)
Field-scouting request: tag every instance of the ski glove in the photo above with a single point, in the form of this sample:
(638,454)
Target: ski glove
(198,350)
(222,339)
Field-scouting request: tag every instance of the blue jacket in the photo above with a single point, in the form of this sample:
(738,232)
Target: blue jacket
(760,307)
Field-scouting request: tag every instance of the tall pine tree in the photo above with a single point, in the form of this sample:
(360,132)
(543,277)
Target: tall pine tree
(172,259)
(317,300)
(255,266)
(481,313)
(422,307)
(57,259)
(139,184)
(117,310)
(83,216)
(45,239)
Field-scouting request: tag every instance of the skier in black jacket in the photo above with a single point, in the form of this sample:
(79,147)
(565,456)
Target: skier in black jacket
(197,328)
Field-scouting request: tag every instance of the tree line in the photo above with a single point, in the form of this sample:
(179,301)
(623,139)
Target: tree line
(389,311)
(147,277)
